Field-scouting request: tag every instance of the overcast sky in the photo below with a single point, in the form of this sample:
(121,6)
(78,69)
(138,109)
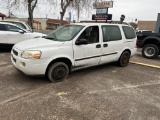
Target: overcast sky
(132,9)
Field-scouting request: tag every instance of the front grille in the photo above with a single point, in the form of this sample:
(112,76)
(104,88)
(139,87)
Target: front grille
(15,52)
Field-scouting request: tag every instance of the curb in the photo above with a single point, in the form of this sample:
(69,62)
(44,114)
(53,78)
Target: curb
(143,64)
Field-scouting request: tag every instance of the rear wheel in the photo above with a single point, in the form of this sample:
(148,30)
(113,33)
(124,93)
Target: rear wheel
(58,72)
(150,51)
(124,59)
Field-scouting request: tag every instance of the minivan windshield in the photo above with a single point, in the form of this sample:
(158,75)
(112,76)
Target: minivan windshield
(65,33)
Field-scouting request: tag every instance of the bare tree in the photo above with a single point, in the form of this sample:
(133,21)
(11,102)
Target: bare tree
(78,5)
(82,6)
(30,4)
(9,5)
(64,5)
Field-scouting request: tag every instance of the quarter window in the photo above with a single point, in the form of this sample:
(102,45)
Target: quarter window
(111,33)
(129,32)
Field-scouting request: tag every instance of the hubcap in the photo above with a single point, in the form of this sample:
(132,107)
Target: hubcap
(58,73)
(125,59)
(149,51)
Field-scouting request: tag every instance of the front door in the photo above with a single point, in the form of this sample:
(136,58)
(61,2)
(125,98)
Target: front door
(13,34)
(88,54)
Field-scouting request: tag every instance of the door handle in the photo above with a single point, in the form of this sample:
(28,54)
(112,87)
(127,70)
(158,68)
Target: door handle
(105,45)
(98,46)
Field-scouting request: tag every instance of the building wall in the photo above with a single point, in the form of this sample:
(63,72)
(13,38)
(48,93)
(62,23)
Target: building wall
(147,25)
(43,23)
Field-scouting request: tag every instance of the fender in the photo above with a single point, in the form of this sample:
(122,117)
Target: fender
(150,37)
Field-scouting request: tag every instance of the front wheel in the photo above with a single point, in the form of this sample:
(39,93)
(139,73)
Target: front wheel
(150,51)
(124,59)
(58,72)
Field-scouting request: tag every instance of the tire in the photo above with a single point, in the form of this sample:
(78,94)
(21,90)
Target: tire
(58,72)
(124,59)
(150,51)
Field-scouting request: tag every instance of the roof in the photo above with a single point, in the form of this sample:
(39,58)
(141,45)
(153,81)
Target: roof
(12,21)
(7,23)
(87,24)
(55,21)
(2,15)
(36,21)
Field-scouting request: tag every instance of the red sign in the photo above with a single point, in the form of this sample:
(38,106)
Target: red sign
(104,4)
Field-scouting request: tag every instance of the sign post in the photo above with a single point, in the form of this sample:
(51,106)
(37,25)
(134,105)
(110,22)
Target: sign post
(102,10)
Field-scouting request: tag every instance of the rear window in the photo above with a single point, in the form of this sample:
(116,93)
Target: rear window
(129,32)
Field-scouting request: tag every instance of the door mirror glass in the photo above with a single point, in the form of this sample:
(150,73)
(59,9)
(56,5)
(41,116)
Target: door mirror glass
(21,31)
(82,42)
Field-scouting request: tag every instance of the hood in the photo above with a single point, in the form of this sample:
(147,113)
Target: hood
(39,34)
(37,43)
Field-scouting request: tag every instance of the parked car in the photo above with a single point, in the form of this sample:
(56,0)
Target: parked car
(73,47)
(21,24)
(150,44)
(11,34)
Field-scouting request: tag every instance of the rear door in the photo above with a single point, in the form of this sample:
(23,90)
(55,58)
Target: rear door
(112,43)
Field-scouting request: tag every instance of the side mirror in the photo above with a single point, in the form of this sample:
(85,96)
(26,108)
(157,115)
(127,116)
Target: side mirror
(81,42)
(21,31)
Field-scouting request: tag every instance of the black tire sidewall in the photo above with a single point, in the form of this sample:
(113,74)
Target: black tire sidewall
(55,66)
(156,51)
(120,62)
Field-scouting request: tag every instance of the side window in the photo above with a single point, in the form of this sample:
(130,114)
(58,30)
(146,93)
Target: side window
(91,34)
(2,27)
(12,28)
(111,33)
(129,32)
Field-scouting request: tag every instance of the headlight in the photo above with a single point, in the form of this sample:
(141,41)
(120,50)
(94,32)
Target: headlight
(31,54)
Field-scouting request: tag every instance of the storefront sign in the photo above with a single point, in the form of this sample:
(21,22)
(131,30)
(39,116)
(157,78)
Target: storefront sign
(104,4)
(101,11)
(102,17)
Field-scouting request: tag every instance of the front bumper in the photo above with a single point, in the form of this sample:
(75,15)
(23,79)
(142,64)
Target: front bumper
(28,66)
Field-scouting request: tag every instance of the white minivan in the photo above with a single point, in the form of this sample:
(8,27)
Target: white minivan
(75,46)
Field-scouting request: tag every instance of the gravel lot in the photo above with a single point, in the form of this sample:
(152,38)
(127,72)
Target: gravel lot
(106,92)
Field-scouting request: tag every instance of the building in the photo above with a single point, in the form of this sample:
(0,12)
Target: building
(41,23)
(147,25)
(54,24)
